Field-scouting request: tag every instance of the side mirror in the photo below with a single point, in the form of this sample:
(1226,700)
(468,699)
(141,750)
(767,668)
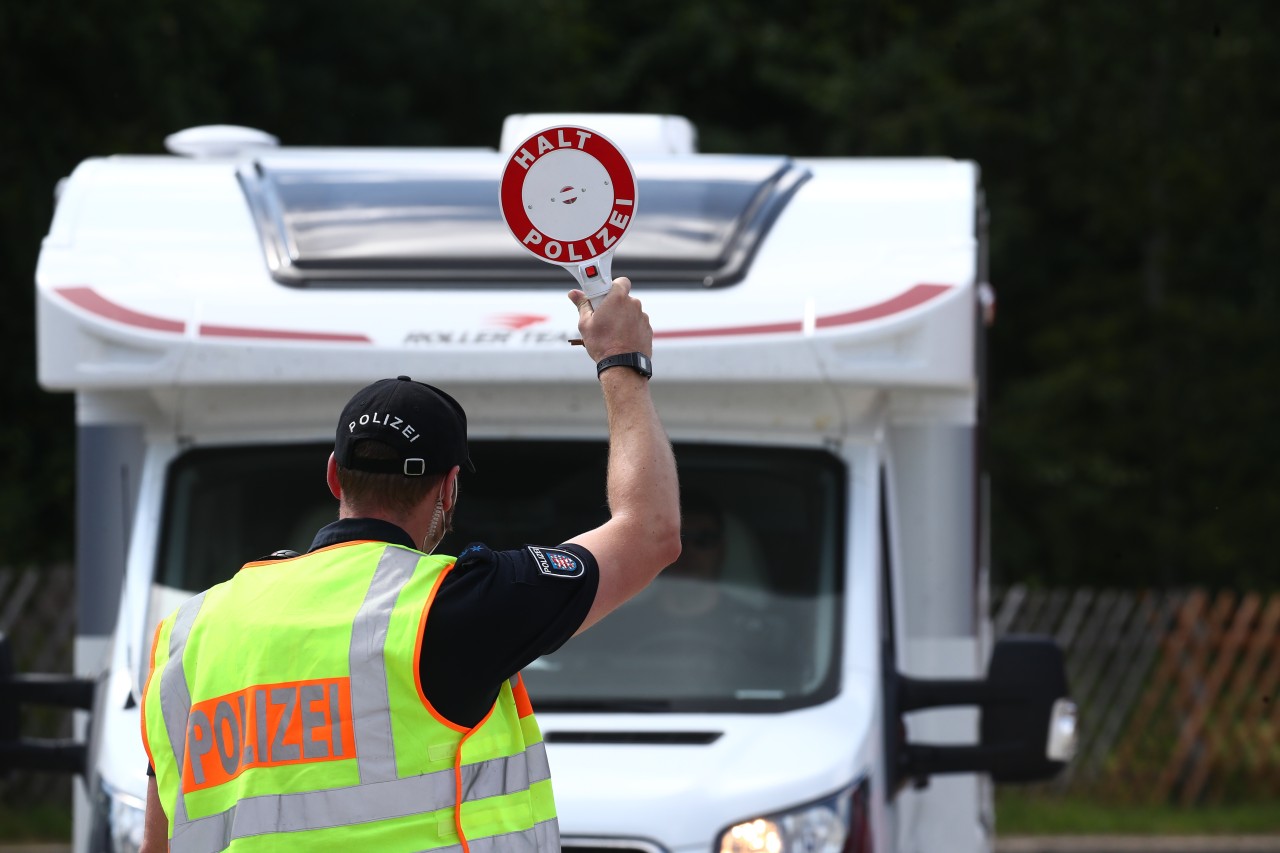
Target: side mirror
(1039,721)
(19,753)
(1028,728)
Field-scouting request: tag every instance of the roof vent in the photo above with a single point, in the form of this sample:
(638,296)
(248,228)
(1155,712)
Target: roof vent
(218,140)
(638,135)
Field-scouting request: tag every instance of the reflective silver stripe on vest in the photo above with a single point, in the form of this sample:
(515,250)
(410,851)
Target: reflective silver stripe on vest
(361,803)
(504,775)
(542,837)
(175,698)
(370,705)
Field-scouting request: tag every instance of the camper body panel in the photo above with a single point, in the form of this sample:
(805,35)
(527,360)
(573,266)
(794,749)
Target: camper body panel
(131,293)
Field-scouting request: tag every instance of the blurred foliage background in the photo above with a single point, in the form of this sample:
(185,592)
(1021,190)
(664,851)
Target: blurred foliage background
(1128,151)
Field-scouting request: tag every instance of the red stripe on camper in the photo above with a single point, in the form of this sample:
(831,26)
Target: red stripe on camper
(95,303)
(91,301)
(763,329)
(214,331)
(916,295)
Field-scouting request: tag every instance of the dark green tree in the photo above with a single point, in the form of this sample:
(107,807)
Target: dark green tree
(1127,155)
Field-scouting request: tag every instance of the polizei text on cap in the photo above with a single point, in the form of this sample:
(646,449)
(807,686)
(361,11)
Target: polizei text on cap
(390,421)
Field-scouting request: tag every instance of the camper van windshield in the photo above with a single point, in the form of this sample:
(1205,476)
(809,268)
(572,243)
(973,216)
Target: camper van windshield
(747,619)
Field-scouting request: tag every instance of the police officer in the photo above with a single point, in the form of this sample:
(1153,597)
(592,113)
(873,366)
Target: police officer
(366,695)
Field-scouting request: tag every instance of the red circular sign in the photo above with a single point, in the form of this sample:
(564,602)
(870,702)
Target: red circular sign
(568,194)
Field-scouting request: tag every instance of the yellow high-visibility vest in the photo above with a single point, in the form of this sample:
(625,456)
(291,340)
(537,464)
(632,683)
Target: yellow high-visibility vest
(284,711)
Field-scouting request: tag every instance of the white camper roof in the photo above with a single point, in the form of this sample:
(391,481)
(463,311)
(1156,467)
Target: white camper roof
(273,266)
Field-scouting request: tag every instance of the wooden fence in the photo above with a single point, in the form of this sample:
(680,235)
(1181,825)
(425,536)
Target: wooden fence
(37,614)
(1177,689)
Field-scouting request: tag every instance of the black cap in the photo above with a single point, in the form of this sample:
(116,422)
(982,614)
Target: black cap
(422,424)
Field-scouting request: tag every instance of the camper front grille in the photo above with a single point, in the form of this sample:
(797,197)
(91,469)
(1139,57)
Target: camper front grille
(608,845)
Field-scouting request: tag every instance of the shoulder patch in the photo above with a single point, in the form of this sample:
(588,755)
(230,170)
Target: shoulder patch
(557,562)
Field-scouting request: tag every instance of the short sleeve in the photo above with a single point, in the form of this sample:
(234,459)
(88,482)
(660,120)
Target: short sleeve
(495,613)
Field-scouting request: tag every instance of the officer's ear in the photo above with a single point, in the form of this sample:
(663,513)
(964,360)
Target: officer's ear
(331,474)
(449,488)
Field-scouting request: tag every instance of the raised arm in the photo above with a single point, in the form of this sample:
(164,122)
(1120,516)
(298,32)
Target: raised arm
(642,535)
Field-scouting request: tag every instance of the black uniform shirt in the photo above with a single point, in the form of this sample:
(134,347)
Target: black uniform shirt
(494,614)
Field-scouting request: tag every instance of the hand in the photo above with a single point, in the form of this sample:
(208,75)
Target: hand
(619,325)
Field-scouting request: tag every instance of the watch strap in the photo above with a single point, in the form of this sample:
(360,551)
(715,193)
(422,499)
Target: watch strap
(637,361)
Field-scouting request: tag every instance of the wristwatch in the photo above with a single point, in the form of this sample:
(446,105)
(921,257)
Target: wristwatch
(637,361)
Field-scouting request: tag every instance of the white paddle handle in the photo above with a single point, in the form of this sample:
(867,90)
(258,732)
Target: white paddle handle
(595,277)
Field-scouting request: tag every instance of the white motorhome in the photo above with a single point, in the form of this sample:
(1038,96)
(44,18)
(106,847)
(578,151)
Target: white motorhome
(818,365)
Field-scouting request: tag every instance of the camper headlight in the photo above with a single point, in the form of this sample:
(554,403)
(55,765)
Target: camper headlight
(837,824)
(120,821)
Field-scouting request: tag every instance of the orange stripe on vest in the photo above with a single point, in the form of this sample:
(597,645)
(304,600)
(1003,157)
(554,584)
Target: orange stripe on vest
(267,725)
(523,706)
